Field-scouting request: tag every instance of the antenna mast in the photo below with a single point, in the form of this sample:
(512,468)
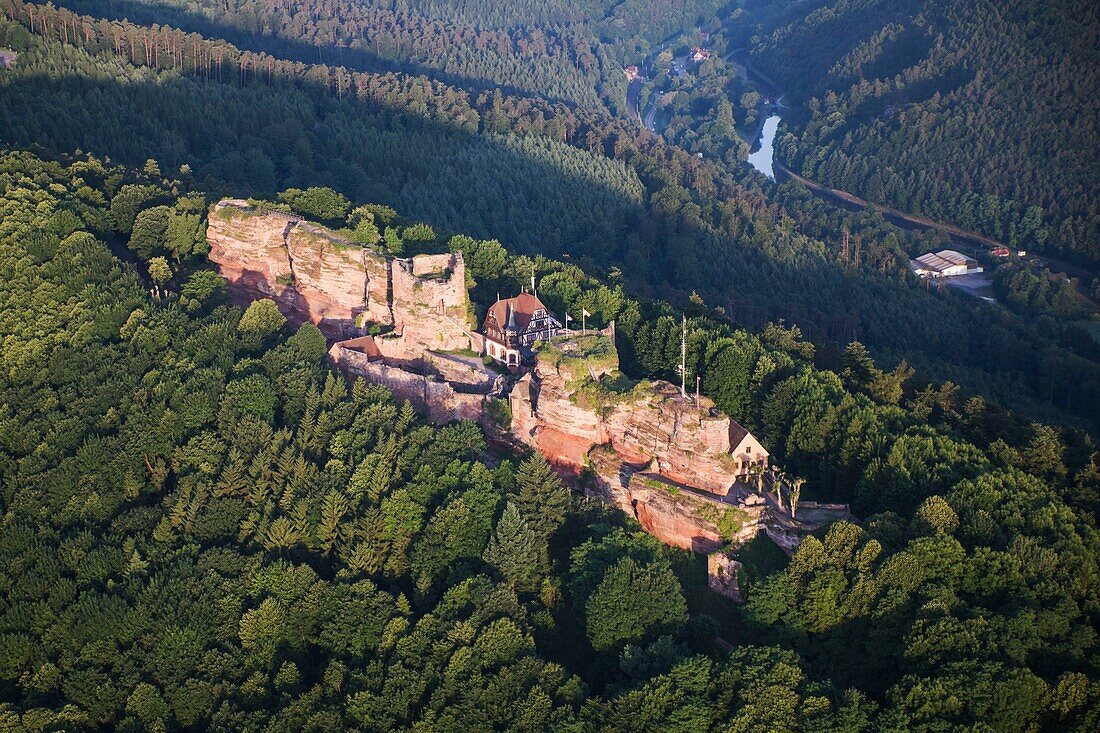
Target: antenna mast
(683,357)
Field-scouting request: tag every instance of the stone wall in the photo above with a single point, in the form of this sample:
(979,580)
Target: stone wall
(436,399)
(431,306)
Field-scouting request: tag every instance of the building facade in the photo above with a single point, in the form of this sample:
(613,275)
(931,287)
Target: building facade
(748,453)
(513,325)
(945,263)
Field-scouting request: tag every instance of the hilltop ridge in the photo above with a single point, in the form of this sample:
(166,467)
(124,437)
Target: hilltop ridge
(691,475)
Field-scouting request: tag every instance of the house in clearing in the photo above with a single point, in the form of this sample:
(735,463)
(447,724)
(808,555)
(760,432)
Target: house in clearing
(945,263)
(513,325)
(699,55)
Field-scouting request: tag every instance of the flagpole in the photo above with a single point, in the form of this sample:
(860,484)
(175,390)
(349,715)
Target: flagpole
(683,358)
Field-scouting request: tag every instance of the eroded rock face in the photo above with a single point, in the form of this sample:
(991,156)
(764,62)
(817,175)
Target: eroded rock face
(315,275)
(688,442)
(339,282)
(250,251)
(676,515)
(312,274)
(664,459)
(723,576)
(544,418)
(684,441)
(697,520)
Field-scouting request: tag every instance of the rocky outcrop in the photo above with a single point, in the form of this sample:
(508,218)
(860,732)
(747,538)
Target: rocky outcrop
(687,441)
(677,515)
(420,305)
(700,521)
(315,275)
(723,576)
(788,531)
(311,273)
(674,463)
(568,404)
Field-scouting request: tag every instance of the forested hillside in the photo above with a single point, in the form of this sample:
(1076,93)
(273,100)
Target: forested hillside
(983,114)
(541,177)
(204,527)
(561,51)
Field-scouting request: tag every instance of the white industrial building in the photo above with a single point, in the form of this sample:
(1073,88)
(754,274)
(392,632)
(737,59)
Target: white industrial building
(944,263)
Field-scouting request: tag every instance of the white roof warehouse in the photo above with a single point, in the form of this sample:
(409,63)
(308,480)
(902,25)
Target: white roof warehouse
(944,263)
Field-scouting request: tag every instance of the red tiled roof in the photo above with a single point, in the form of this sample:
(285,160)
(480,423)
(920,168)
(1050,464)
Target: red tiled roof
(520,309)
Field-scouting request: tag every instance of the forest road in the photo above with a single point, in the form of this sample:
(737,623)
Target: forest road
(910,221)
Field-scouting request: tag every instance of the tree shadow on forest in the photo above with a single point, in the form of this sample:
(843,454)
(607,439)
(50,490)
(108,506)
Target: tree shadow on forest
(865,653)
(248,139)
(153,12)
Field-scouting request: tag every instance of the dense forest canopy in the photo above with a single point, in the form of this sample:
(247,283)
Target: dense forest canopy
(203,526)
(563,51)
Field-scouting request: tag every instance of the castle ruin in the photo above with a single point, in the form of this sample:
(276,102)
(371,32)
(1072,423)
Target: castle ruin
(690,475)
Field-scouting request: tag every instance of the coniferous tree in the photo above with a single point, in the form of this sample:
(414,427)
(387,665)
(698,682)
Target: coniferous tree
(516,551)
(543,500)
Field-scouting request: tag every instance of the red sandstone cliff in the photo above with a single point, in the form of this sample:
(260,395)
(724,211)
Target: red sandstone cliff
(667,460)
(677,515)
(573,401)
(310,272)
(315,275)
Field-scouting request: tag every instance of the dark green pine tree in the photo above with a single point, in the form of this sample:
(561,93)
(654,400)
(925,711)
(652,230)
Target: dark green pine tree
(859,368)
(543,499)
(516,551)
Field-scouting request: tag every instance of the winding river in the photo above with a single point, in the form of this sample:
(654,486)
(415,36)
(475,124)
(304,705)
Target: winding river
(763,154)
(762,158)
